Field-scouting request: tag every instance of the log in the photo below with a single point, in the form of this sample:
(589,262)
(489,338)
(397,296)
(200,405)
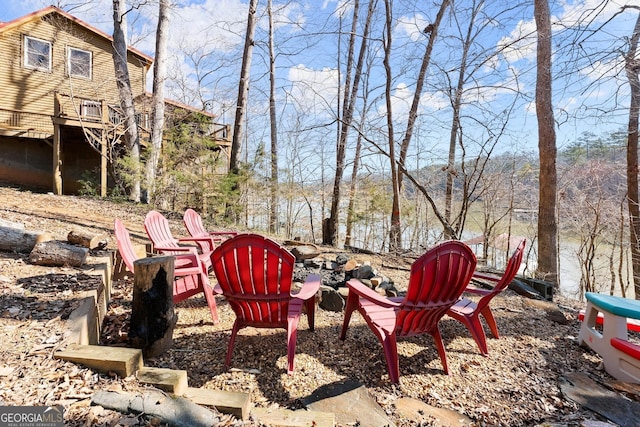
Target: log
(87,240)
(17,239)
(152,315)
(173,410)
(56,253)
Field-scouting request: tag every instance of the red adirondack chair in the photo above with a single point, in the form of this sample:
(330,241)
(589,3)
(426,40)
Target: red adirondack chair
(194,225)
(190,275)
(468,312)
(158,230)
(437,280)
(255,275)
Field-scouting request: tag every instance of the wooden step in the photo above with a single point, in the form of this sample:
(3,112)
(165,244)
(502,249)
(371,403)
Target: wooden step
(121,360)
(170,380)
(227,402)
(288,418)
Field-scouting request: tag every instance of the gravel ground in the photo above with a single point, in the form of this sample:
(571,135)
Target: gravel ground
(517,385)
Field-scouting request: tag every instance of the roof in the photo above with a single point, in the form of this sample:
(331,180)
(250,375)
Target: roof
(5,26)
(178,104)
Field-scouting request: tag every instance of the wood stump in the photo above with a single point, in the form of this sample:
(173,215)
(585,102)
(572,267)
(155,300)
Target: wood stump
(152,315)
(55,253)
(87,240)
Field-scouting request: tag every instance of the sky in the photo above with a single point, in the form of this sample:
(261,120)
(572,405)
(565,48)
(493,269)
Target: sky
(207,36)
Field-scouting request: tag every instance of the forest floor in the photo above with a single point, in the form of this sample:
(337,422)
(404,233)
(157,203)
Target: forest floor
(519,384)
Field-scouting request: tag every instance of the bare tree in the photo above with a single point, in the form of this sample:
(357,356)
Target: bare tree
(241,105)
(395,240)
(330,232)
(273,190)
(547,220)
(157,111)
(632,68)
(126,93)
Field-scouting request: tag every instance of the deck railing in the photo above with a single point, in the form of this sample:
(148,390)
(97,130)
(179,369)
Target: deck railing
(22,120)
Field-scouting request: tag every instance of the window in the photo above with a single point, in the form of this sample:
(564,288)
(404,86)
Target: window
(79,63)
(91,109)
(37,54)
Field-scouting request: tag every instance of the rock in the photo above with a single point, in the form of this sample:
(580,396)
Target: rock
(305,252)
(552,310)
(330,299)
(420,412)
(341,259)
(312,263)
(364,272)
(350,402)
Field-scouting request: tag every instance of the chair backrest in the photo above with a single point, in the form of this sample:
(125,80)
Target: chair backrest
(255,275)
(437,280)
(125,247)
(193,223)
(158,230)
(513,265)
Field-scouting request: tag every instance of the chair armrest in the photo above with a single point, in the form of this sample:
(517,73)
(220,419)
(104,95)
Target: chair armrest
(309,288)
(477,291)
(171,249)
(187,260)
(196,239)
(363,291)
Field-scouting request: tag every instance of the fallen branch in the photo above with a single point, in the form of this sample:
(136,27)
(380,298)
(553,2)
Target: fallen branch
(174,410)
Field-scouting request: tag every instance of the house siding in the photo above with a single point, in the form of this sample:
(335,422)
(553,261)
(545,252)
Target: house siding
(30,90)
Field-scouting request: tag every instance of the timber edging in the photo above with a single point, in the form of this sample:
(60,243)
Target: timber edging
(83,328)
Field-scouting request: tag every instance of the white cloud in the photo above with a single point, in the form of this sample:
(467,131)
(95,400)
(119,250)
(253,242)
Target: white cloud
(520,44)
(314,90)
(412,26)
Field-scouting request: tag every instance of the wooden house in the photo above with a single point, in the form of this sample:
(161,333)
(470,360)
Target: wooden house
(60,116)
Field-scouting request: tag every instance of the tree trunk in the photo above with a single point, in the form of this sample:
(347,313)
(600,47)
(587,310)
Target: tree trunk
(126,94)
(632,67)
(547,223)
(152,314)
(332,225)
(241,108)
(157,112)
(395,241)
(273,213)
(455,127)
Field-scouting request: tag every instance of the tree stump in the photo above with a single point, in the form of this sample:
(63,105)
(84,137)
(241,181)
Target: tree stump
(152,315)
(87,240)
(55,253)
(15,238)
